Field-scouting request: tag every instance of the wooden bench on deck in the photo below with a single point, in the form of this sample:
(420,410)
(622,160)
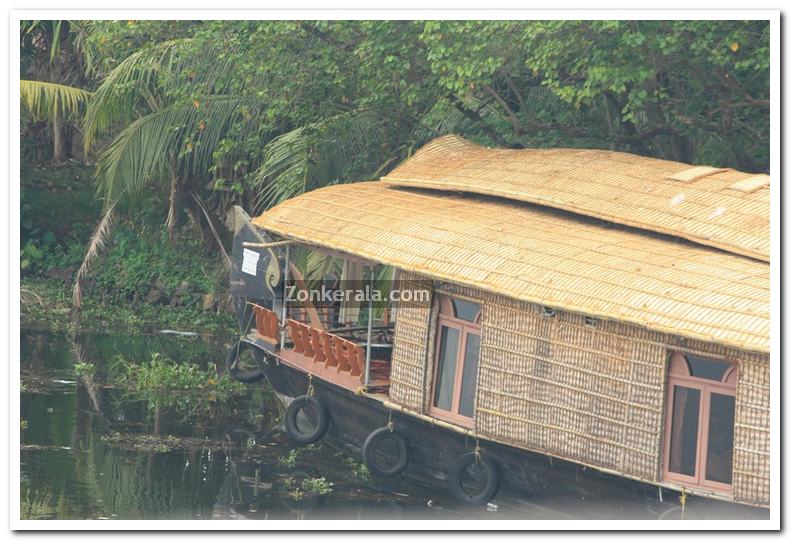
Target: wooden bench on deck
(321,353)
(327,356)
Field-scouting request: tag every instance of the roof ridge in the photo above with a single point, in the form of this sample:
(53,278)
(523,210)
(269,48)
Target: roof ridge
(699,203)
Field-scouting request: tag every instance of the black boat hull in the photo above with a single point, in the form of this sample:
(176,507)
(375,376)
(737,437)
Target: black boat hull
(433,448)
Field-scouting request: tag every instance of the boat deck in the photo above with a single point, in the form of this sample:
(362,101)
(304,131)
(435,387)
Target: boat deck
(332,374)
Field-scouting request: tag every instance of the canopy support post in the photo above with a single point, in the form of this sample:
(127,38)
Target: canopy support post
(370,325)
(283,312)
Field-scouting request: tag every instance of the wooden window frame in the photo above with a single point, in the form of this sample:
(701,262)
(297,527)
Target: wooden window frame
(445,318)
(726,386)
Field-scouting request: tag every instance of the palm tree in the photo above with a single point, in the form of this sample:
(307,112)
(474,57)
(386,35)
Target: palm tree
(57,67)
(162,134)
(54,103)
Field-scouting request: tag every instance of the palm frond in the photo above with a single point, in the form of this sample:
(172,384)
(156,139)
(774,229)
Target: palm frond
(319,265)
(81,30)
(137,85)
(55,49)
(98,240)
(189,130)
(54,28)
(115,102)
(443,118)
(319,154)
(45,100)
(207,216)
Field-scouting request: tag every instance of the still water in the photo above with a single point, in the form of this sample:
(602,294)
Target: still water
(88,454)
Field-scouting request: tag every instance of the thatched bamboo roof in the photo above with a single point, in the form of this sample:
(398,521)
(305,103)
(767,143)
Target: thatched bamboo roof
(717,207)
(540,255)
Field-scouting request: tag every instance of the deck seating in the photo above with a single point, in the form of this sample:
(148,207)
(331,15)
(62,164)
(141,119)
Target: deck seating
(300,336)
(329,349)
(266,323)
(344,356)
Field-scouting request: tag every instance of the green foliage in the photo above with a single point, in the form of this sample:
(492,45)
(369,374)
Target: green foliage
(699,84)
(33,254)
(58,214)
(131,88)
(307,488)
(142,260)
(290,460)
(340,101)
(359,469)
(45,100)
(178,139)
(41,252)
(54,86)
(57,209)
(294,455)
(46,304)
(84,369)
(184,388)
(317,154)
(111,42)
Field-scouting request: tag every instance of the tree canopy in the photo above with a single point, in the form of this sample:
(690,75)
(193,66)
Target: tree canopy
(272,108)
(215,113)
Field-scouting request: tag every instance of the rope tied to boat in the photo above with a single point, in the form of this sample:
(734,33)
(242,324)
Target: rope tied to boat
(310,385)
(390,421)
(244,334)
(251,319)
(477,449)
(683,500)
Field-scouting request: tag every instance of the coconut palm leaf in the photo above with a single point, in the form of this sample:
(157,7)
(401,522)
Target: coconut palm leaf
(98,239)
(46,100)
(319,154)
(53,28)
(319,265)
(189,130)
(128,86)
(210,221)
(138,84)
(443,118)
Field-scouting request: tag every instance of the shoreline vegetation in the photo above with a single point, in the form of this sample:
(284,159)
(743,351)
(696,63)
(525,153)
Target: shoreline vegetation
(46,306)
(142,283)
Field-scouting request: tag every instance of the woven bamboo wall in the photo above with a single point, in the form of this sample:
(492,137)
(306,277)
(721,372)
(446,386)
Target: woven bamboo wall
(592,393)
(751,433)
(410,349)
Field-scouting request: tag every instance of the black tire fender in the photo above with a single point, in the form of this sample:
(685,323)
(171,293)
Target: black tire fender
(290,422)
(373,440)
(244,376)
(491,485)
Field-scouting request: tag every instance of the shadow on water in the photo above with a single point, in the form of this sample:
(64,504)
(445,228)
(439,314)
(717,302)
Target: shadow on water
(87,454)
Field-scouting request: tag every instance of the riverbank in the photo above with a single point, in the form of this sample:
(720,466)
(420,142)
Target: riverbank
(141,282)
(46,305)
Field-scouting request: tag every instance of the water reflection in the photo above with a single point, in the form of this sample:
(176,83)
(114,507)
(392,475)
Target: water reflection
(72,467)
(75,465)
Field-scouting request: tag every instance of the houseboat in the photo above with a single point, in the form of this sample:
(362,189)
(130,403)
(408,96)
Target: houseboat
(586,308)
